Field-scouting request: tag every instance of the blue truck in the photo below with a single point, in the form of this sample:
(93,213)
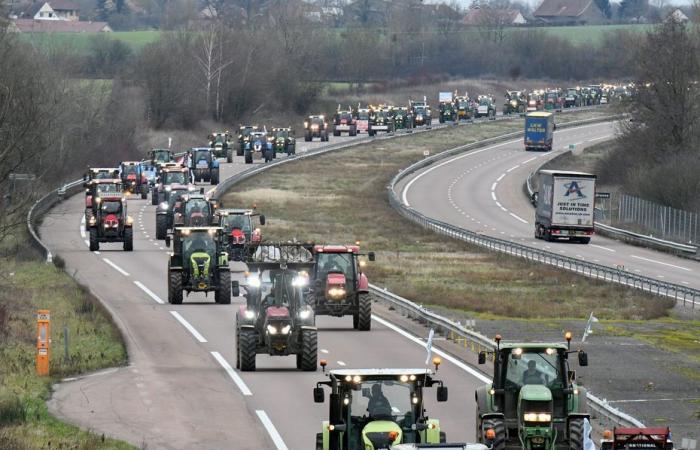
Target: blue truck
(539,131)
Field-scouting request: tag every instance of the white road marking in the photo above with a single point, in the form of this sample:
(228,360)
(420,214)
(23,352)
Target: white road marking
(501,177)
(493,195)
(493,186)
(644,400)
(599,138)
(149,292)
(529,160)
(96,252)
(271,430)
(685,282)
(341,363)
(323,350)
(232,373)
(512,168)
(82,228)
(662,263)
(116,267)
(87,242)
(519,218)
(189,327)
(603,248)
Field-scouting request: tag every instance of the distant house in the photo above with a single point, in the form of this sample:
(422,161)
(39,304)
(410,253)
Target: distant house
(57,26)
(569,12)
(677,16)
(481,16)
(58,10)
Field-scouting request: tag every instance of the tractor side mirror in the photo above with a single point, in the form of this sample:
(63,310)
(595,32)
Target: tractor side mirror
(534,198)
(262,219)
(442,393)
(370,256)
(167,241)
(235,288)
(582,358)
(319,395)
(482,357)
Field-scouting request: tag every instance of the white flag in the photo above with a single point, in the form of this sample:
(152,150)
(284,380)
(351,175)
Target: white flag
(588,443)
(429,345)
(589,326)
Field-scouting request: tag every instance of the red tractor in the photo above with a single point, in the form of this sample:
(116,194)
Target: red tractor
(343,121)
(338,286)
(133,179)
(110,223)
(97,188)
(167,178)
(637,439)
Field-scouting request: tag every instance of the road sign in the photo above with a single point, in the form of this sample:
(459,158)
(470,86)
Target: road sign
(602,195)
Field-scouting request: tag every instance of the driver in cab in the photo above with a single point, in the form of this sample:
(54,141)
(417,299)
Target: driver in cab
(379,405)
(532,375)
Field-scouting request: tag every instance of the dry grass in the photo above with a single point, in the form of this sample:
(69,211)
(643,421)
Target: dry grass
(342,197)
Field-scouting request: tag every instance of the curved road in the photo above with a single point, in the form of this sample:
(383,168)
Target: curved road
(482,192)
(179,390)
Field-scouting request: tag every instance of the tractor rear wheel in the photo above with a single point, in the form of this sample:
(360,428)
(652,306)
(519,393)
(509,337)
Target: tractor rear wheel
(144,192)
(238,346)
(214,177)
(175,287)
(576,434)
(222,295)
(154,197)
(353,131)
(319,441)
(309,350)
(94,243)
(499,427)
(247,346)
(364,314)
(229,156)
(248,157)
(128,239)
(161,226)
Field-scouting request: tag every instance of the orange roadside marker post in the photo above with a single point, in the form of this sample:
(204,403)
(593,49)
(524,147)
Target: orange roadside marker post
(43,341)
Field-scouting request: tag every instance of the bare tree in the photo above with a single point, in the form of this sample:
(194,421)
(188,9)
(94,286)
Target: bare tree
(212,63)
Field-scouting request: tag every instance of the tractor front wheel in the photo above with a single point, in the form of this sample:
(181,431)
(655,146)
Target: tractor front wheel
(319,441)
(161,226)
(249,157)
(229,156)
(364,314)
(175,287)
(576,434)
(499,427)
(309,350)
(247,346)
(94,243)
(128,239)
(222,295)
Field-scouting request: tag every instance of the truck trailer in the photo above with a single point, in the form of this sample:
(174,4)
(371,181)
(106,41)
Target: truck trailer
(539,131)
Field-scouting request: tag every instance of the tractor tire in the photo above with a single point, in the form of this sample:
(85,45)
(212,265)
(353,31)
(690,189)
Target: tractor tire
(309,350)
(222,295)
(441,120)
(576,437)
(161,226)
(214,177)
(498,426)
(443,437)
(336,133)
(355,320)
(175,287)
(292,150)
(128,239)
(154,197)
(353,131)
(249,158)
(584,240)
(364,314)
(307,137)
(94,243)
(324,137)
(371,133)
(247,346)
(144,192)
(319,441)
(238,346)
(229,156)
(274,154)
(240,150)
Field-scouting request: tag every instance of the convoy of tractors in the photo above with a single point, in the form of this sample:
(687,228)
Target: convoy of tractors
(533,401)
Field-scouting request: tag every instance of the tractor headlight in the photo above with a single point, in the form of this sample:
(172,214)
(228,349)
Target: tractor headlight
(271,330)
(250,315)
(513,103)
(300,281)
(286,329)
(163,206)
(168,188)
(129,220)
(304,314)
(537,417)
(336,292)
(254,281)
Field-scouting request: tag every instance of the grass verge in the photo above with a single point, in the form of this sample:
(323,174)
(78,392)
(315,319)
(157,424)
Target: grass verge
(95,343)
(341,197)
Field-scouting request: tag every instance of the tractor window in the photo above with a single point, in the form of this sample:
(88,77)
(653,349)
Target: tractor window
(111,207)
(162,156)
(571,92)
(484,102)
(175,196)
(219,139)
(282,134)
(199,242)
(532,368)
(202,155)
(382,399)
(111,188)
(237,221)
(340,262)
(345,116)
(363,115)
(420,110)
(102,175)
(316,121)
(174,177)
(126,170)
(197,207)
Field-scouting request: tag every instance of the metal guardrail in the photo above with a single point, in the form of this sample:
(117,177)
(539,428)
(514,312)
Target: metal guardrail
(626,235)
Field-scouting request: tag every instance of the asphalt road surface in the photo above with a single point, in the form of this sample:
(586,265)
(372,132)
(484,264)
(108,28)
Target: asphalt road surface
(482,191)
(180,390)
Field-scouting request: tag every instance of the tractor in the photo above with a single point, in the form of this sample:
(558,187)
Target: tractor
(362,119)
(421,114)
(222,146)
(486,107)
(203,165)
(553,100)
(198,263)
(373,409)
(658,438)
(595,92)
(257,142)
(338,285)
(243,237)
(194,210)
(100,173)
(533,401)
(100,188)
(315,127)
(284,141)
(168,209)
(150,172)
(244,132)
(381,119)
(448,112)
(515,103)
(134,179)
(276,319)
(159,156)
(167,177)
(465,108)
(110,223)
(402,119)
(343,121)
(572,98)
(534,101)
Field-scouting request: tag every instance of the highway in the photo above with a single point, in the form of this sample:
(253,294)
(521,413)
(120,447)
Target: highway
(179,390)
(482,191)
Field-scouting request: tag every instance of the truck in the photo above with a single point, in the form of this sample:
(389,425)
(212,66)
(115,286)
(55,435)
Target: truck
(564,206)
(539,131)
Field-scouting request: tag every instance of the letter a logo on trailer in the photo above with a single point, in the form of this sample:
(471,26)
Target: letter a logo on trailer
(574,188)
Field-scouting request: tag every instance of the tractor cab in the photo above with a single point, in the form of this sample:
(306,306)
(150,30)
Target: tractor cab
(515,102)
(658,438)
(241,235)
(98,188)
(195,211)
(110,222)
(97,173)
(533,397)
(315,126)
(134,180)
(421,112)
(284,141)
(170,209)
(220,143)
(169,177)
(553,100)
(160,156)
(204,165)
(378,408)
(402,118)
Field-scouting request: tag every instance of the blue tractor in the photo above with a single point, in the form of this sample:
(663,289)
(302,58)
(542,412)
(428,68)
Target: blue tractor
(258,143)
(204,165)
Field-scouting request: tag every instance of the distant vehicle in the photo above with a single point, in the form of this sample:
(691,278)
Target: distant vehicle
(381,119)
(257,142)
(573,97)
(486,107)
(421,113)
(344,122)
(362,119)
(539,131)
(565,202)
(315,127)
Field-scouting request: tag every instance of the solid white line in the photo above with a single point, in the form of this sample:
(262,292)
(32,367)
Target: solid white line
(87,242)
(116,267)
(149,292)
(600,137)
(437,351)
(189,327)
(519,218)
(493,196)
(271,430)
(500,178)
(662,263)
(323,350)
(529,160)
(232,373)
(512,168)
(493,186)
(341,363)
(603,248)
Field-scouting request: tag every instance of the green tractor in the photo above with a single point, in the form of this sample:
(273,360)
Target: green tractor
(402,118)
(448,112)
(533,402)
(283,141)
(198,263)
(373,409)
(221,144)
(515,103)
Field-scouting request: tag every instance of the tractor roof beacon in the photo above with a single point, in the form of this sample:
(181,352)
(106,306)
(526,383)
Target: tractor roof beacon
(533,401)
(378,408)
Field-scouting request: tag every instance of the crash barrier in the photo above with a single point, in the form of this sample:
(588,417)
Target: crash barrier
(627,235)
(608,415)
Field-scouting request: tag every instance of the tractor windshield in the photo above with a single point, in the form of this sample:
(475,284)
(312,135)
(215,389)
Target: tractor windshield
(129,169)
(282,134)
(533,367)
(316,121)
(552,96)
(113,207)
(174,177)
(363,115)
(420,110)
(102,175)
(175,196)
(571,92)
(202,155)
(383,399)
(344,116)
(161,156)
(240,221)
(219,138)
(199,242)
(197,208)
(335,262)
(484,102)
(109,188)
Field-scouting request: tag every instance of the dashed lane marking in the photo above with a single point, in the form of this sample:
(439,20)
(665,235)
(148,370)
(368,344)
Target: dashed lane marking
(271,430)
(116,267)
(232,373)
(149,292)
(661,262)
(189,327)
